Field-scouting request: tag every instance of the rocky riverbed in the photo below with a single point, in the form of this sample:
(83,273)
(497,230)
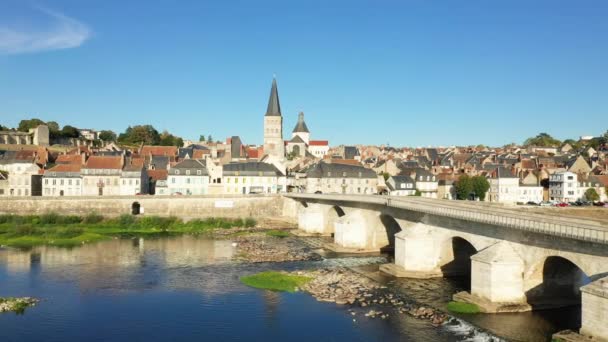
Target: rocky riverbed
(259,247)
(16,304)
(343,286)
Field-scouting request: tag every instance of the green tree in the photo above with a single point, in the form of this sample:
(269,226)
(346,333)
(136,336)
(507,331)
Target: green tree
(592,195)
(107,136)
(26,125)
(480,186)
(542,140)
(210,138)
(168,139)
(463,187)
(140,134)
(201,138)
(53,126)
(69,132)
(385,175)
(417,193)
(3,128)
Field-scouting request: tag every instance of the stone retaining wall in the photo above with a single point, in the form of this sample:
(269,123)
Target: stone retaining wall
(185,207)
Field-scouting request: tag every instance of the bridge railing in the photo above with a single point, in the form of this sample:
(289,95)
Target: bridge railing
(534,222)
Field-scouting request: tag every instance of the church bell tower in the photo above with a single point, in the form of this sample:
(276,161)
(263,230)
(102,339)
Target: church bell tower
(273,126)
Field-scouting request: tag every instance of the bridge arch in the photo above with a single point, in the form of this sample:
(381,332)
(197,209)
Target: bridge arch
(559,280)
(333,213)
(456,258)
(390,227)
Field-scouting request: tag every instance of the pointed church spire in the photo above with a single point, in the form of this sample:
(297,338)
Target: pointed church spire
(301,125)
(274,107)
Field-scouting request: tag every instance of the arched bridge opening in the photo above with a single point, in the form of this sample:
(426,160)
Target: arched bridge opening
(560,286)
(457,252)
(390,227)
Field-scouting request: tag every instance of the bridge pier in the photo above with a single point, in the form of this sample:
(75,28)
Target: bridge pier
(312,220)
(318,219)
(359,231)
(497,283)
(595,310)
(417,254)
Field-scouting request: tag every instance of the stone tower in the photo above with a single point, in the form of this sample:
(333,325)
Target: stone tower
(273,126)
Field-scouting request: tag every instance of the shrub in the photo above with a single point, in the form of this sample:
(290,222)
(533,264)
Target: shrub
(93,218)
(49,218)
(71,219)
(125,220)
(162,223)
(24,230)
(69,232)
(250,222)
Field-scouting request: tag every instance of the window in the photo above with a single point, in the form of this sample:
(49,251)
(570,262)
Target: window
(54,182)
(77,182)
(69,182)
(173,180)
(188,172)
(46,182)
(177,172)
(61,182)
(199,172)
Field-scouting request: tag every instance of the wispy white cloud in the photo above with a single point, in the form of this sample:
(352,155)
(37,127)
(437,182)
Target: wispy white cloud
(62,32)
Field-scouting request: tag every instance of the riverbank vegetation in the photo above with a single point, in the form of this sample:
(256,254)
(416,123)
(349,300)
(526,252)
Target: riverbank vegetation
(68,231)
(275,281)
(17,305)
(461,307)
(278,233)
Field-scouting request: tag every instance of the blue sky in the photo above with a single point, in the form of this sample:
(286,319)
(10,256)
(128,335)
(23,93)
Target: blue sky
(407,73)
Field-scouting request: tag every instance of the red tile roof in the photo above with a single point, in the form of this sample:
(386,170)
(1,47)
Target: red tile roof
(200,154)
(137,161)
(318,143)
(158,174)
(103,162)
(159,150)
(346,161)
(65,168)
(69,159)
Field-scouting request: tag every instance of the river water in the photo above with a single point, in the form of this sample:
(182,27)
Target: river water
(187,289)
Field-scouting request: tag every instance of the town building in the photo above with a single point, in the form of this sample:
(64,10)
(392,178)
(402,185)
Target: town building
(504,186)
(62,180)
(101,175)
(253,178)
(401,186)
(188,177)
(563,186)
(134,180)
(22,171)
(339,178)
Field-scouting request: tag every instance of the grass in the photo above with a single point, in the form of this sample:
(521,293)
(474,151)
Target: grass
(69,231)
(275,281)
(278,233)
(465,308)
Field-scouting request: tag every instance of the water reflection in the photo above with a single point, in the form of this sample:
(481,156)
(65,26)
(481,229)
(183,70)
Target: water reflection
(178,289)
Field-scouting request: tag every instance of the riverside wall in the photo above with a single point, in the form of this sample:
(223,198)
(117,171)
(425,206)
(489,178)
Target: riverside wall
(257,206)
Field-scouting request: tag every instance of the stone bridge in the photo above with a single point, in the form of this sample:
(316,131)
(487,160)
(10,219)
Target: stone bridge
(516,260)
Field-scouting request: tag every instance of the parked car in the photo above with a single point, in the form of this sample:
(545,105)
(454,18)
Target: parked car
(545,204)
(599,204)
(562,204)
(532,203)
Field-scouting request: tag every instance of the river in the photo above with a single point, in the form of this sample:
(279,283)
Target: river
(187,289)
